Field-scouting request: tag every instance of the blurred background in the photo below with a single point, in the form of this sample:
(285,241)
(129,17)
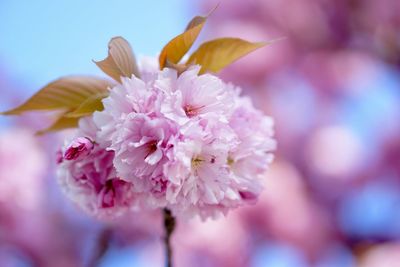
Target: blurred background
(332,196)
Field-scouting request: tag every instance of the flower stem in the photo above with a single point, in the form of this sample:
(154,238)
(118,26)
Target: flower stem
(101,247)
(169,226)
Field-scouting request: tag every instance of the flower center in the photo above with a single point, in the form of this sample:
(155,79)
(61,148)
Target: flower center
(151,148)
(196,162)
(191,111)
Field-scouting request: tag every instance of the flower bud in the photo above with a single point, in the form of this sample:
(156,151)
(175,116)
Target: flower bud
(79,147)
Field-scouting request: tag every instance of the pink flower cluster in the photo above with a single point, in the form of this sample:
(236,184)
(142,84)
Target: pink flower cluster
(187,142)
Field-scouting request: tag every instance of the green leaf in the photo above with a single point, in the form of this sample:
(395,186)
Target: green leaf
(66,93)
(60,124)
(175,49)
(216,54)
(120,62)
(89,106)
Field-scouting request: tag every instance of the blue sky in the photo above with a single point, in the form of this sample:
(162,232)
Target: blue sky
(42,40)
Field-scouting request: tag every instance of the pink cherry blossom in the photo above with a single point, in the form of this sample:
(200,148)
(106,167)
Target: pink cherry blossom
(91,182)
(199,172)
(251,157)
(140,150)
(192,95)
(187,142)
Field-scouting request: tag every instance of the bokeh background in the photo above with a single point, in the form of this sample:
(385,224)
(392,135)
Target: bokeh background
(332,84)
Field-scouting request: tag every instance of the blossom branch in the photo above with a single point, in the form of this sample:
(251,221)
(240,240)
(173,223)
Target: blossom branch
(169,226)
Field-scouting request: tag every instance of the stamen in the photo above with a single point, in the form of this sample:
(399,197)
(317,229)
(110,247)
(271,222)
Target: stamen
(196,162)
(192,111)
(151,148)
